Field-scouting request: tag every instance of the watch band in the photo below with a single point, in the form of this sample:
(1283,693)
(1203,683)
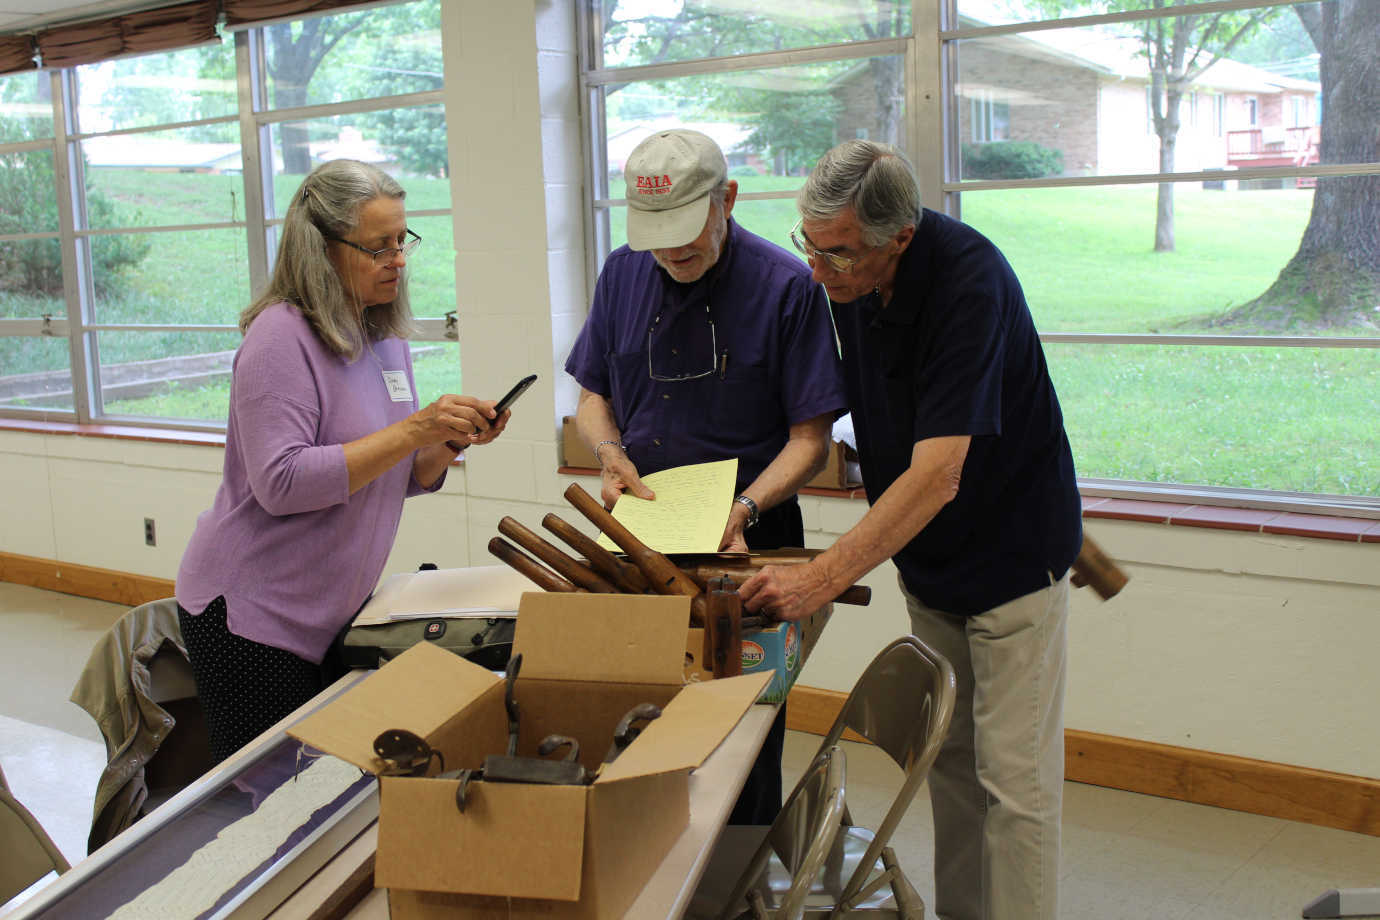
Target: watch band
(618,444)
(751,507)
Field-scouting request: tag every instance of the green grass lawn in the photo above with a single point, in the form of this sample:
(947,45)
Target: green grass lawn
(1291,419)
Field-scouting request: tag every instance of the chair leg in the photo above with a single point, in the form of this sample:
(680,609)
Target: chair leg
(909,904)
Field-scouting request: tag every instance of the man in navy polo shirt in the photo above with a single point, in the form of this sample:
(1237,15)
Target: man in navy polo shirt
(972,491)
(706,342)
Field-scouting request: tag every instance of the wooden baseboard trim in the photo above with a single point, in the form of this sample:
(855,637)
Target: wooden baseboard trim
(83,580)
(1260,787)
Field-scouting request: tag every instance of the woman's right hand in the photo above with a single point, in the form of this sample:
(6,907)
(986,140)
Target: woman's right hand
(462,419)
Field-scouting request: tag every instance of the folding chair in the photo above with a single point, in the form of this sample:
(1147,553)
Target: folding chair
(138,686)
(797,844)
(902,703)
(29,853)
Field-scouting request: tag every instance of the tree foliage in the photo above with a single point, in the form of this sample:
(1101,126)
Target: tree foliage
(794,120)
(28,204)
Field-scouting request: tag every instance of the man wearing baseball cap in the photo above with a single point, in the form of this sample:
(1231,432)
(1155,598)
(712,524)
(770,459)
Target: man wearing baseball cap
(706,342)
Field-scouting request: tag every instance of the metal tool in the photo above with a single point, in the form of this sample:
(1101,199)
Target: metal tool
(629,727)
(509,767)
(405,753)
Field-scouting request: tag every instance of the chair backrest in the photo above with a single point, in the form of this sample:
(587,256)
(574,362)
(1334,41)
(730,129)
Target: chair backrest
(902,703)
(29,853)
(801,836)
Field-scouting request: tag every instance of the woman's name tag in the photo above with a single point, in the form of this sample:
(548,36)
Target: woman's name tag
(398,390)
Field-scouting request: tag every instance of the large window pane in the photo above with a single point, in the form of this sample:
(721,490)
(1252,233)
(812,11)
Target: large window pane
(1290,419)
(26,108)
(1082,102)
(436,367)
(408,144)
(179,278)
(162,178)
(641,32)
(157,89)
(35,372)
(383,51)
(175,375)
(773,122)
(1087,261)
(431,269)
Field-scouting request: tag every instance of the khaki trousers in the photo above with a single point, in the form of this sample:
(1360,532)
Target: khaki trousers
(997,785)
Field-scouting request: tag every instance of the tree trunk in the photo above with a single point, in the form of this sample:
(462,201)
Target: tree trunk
(292,63)
(1167,127)
(1334,278)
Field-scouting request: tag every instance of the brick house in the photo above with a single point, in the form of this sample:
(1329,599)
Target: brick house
(1086,94)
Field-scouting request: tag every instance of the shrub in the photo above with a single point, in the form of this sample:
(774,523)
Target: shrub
(28,205)
(1011,160)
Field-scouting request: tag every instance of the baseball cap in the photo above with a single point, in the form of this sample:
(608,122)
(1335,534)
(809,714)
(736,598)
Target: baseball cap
(669,177)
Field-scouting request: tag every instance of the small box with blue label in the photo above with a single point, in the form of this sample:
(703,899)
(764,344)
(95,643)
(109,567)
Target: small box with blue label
(781,649)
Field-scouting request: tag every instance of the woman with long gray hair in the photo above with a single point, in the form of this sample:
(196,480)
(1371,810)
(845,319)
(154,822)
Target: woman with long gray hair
(324,441)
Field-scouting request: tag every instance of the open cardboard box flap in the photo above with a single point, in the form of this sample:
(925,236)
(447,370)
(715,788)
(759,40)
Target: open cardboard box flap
(603,638)
(691,726)
(420,690)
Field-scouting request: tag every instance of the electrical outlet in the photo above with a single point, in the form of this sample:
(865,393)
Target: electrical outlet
(149,538)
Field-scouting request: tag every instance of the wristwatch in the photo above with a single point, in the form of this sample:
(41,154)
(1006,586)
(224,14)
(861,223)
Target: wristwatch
(751,507)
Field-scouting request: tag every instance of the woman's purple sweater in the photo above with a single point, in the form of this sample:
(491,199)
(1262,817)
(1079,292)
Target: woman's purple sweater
(294,553)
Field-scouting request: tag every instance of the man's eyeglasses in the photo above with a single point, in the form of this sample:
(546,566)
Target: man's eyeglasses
(386,256)
(716,363)
(837,262)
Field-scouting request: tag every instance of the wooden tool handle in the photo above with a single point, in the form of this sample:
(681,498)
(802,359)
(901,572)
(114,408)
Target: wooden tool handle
(723,629)
(858,595)
(519,561)
(1094,567)
(571,569)
(662,574)
(628,578)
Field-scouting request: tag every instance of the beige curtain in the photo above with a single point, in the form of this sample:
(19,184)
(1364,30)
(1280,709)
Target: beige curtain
(248,12)
(16,53)
(161,29)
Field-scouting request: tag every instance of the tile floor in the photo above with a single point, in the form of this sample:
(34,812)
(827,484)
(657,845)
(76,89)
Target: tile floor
(1125,855)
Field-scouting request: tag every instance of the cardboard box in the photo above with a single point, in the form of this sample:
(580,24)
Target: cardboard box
(552,851)
(574,451)
(835,474)
(780,651)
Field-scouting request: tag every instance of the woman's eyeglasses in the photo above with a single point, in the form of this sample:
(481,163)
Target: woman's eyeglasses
(386,256)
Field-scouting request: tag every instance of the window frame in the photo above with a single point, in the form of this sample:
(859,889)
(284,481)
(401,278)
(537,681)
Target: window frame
(255,120)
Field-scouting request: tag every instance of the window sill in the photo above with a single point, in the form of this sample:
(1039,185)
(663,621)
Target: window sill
(116,432)
(1283,523)
(129,433)
(1216,517)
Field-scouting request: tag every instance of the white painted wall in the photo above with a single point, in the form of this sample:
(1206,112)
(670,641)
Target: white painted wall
(1258,646)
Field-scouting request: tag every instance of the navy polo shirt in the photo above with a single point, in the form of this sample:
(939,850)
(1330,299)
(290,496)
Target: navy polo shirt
(753,335)
(956,353)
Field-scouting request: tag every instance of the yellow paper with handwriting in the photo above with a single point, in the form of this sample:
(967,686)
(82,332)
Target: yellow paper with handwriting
(690,510)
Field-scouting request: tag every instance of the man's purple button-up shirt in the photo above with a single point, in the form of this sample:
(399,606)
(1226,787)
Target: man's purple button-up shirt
(753,342)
